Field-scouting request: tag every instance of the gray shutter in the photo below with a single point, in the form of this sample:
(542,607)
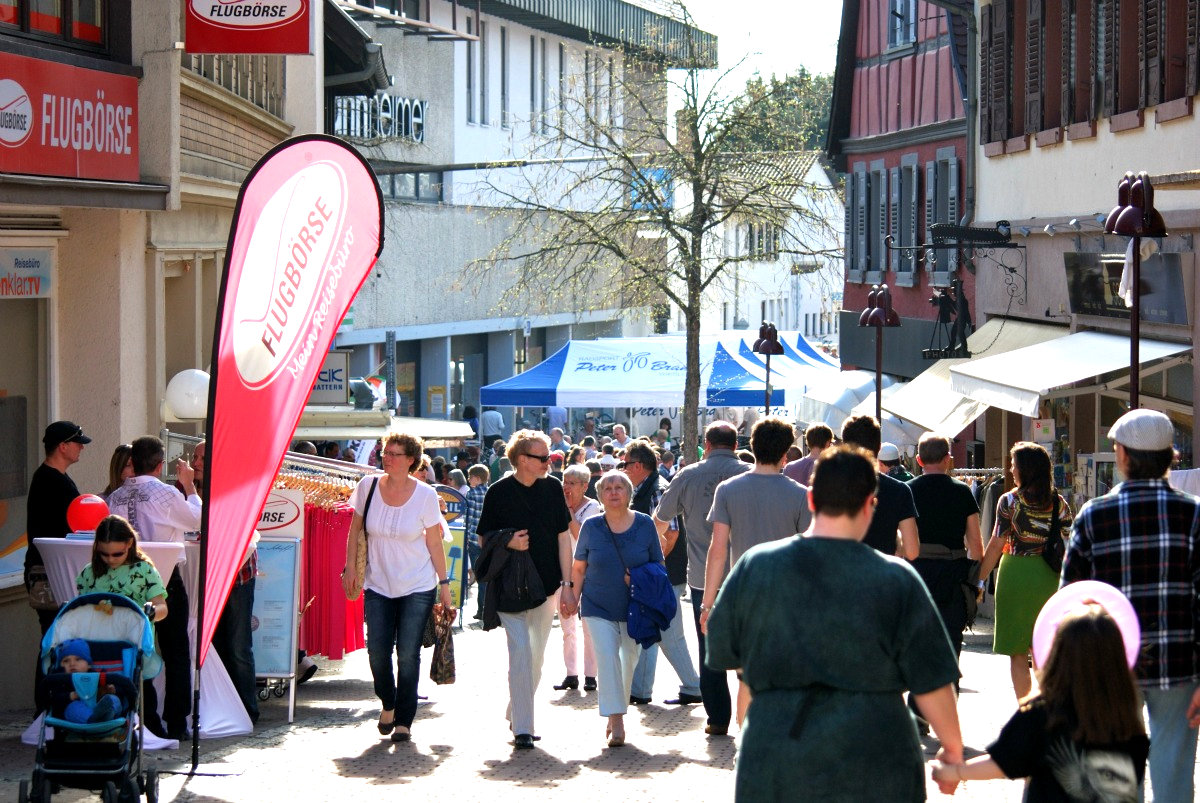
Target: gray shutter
(893,260)
(914,214)
(931,208)
(1109,59)
(848,252)
(1150,58)
(952,208)
(1035,66)
(999,89)
(879,255)
(861,199)
(1192,79)
(1070,32)
(985,74)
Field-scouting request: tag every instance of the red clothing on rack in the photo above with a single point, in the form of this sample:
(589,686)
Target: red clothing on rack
(333,625)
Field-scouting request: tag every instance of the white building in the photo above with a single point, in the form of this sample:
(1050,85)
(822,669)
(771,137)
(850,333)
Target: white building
(499,95)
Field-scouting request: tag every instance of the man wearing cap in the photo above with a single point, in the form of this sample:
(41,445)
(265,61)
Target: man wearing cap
(51,492)
(161,513)
(889,463)
(1143,537)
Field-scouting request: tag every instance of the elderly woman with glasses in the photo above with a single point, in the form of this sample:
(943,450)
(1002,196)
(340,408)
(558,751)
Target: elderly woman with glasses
(610,545)
(405,574)
(576,479)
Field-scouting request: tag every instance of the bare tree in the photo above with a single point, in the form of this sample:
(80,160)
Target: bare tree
(618,209)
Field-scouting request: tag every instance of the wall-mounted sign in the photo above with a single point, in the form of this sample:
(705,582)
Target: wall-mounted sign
(25,272)
(1093,280)
(436,398)
(380,116)
(59,120)
(248,26)
(333,380)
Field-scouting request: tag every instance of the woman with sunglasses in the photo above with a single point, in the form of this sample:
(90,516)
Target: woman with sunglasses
(405,575)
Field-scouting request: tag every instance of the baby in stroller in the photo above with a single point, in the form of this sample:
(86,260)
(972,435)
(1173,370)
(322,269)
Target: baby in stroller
(89,697)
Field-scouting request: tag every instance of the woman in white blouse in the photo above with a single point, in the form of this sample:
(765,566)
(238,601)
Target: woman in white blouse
(406,571)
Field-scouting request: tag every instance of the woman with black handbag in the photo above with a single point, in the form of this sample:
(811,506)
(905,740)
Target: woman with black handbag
(1032,522)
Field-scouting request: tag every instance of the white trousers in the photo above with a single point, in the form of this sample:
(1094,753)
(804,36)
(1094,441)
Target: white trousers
(526,632)
(616,655)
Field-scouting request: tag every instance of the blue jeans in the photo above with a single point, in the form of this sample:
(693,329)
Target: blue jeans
(1172,742)
(714,684)
(674,646)
(396,624)
(234,642)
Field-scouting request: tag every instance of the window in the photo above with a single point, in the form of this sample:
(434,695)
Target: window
(877,223)
(470,93)
(612,94)
(423,187)
(504,118)
(542,89)
(724,314)
(533,85)
(78,22)
(902,218)
(902,22)
(483,74)
(562,87)
(762,241)
(941,206)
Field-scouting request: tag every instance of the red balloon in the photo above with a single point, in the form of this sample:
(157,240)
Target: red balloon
(85,512)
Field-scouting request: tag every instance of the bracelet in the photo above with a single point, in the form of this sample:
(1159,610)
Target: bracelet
(705,608)
(567,584)
(444,582)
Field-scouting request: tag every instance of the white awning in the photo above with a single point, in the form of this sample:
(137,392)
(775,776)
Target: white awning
(1017,380)
(337,424)
(928,400)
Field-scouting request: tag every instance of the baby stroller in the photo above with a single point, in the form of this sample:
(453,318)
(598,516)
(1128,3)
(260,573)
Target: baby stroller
(104,756)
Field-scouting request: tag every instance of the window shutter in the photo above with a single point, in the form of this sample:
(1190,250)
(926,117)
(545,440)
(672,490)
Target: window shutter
(1150,58)
(952,208)
(893,257)
(930,200)
(1000,89)
(848,250)
(1193,48)
(914,213)
(1070,33)
(1035,66)
(1109,9)
(879,256)
(861,198)
(985,73)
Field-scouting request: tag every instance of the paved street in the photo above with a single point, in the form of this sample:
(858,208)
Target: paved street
(460,745)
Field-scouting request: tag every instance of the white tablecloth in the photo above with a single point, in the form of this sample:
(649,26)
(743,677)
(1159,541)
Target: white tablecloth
(221,710)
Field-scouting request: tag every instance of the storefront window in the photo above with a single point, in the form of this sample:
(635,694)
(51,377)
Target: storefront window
(9,15)
(87,21)
(45,16)
(78,21)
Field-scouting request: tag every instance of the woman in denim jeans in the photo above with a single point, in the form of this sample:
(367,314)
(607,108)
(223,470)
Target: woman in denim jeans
(406,570)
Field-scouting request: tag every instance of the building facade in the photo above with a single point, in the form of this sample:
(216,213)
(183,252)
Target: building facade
(502,93)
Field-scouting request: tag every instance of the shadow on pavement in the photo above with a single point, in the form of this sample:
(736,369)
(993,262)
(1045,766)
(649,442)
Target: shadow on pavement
(387,762)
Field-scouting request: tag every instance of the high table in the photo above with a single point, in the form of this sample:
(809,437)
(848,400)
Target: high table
(221,710)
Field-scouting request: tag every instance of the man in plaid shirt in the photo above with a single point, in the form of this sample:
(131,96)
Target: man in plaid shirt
(1144,538)
(477,478)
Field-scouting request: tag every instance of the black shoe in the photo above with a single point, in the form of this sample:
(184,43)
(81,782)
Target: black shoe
(523,741)
(685,699)
(386,727)
(401,736)
(177,732)
(638,700)
(589,683)
(569,682)
(478,615)
(716,730)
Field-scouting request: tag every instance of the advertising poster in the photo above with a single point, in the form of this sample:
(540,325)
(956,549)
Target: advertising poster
(454,510)
(275,602)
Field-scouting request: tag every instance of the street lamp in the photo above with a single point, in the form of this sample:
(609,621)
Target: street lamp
(768,344)
(1135,216)
(879,313)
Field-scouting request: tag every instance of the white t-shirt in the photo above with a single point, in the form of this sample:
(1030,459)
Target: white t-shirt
(589,508)
(398,562)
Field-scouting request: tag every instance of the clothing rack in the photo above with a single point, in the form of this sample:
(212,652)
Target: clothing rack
(976,473)
(326,483)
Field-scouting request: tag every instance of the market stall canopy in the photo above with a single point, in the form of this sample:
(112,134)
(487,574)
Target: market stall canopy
(344,423)
(1018,380)
(650,371)
(928,400)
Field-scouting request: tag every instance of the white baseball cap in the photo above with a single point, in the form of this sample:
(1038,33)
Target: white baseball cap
(1144,430)
(889,452)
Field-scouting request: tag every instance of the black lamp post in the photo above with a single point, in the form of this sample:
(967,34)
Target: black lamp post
(768,344)
(879,313)
(1135,216)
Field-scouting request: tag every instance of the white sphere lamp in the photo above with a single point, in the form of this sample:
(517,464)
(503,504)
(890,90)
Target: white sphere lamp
(187,395)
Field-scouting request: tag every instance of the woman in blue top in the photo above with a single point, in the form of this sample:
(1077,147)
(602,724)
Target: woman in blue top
(609,545)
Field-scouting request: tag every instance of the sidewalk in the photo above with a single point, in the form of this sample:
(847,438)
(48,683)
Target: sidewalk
(461,751)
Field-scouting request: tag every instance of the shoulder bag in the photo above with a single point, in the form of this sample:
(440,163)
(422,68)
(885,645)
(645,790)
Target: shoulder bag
(360,562)
(1055,549)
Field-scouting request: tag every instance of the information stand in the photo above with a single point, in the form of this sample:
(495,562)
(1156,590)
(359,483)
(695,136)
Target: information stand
(276,620)
(454,509)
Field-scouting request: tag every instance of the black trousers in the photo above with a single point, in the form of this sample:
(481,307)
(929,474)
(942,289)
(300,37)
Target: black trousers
(173,645)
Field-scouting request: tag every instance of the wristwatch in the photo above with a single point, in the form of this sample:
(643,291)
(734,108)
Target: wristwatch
(444,582)
(567,583)
(704,607)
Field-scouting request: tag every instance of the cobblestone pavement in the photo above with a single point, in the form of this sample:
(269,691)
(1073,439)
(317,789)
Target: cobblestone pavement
(461,751)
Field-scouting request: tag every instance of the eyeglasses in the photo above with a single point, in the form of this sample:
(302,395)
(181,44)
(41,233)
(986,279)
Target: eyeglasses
(622,464)
(395,455)
(545,458)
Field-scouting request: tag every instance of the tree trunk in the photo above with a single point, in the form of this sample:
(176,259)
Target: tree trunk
(691,388)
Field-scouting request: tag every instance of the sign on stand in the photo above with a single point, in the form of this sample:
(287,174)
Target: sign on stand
(276,619)
(454,509)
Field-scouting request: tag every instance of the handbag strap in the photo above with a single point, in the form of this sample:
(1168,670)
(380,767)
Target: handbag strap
(367,506)
(613,538)
(1055,521)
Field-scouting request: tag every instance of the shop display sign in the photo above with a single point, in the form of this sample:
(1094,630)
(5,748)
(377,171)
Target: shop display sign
(59,120)
(333,380)
(283,513)
(273,625)
(25,272)
(248,26)
(1042,430)
(1093,281)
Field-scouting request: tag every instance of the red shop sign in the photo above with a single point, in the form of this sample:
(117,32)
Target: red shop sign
(248,26)
(58,120)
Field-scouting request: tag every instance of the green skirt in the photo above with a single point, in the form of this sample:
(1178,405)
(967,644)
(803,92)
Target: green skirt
(1023,585)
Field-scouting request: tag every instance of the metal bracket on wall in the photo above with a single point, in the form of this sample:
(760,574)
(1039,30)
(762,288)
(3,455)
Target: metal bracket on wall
(973,244)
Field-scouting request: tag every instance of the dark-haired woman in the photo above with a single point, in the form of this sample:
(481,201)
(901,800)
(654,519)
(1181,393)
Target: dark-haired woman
(119,567)
(1025,581)
(120,468)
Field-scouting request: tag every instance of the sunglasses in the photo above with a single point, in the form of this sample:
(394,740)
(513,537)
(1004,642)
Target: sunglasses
(114,555)
(545,458)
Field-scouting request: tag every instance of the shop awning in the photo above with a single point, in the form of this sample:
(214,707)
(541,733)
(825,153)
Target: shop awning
(341,424)
(929,401)
(1017,380)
